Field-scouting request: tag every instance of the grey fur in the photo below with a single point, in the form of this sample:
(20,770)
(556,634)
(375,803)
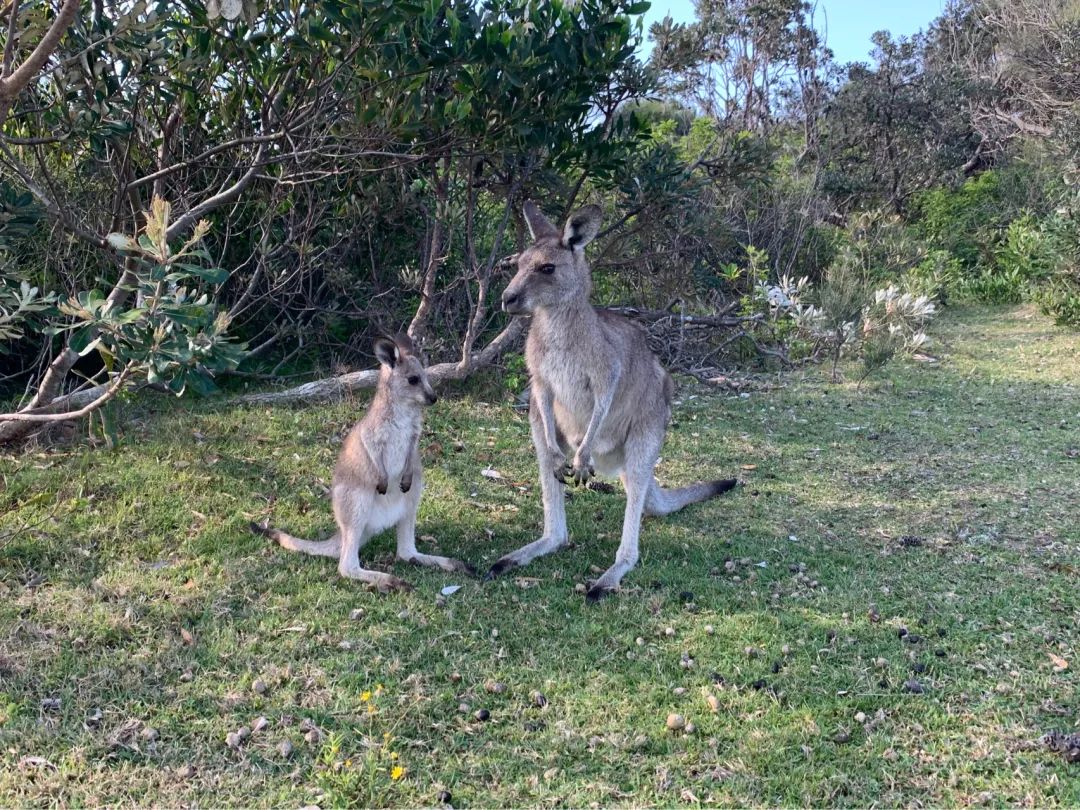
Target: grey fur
(378,479)
(599,395)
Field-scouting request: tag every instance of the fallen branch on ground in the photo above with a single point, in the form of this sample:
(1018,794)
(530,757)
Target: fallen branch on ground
(332,387)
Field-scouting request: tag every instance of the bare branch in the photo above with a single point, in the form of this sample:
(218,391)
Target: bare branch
(97,397)
(333,387)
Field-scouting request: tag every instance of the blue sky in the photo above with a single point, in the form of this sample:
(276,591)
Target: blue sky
(847,24)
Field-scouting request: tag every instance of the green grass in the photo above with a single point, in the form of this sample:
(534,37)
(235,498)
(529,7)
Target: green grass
(131,590)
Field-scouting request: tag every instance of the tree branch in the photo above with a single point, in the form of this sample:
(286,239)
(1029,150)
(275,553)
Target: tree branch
(13,84)
(333,387)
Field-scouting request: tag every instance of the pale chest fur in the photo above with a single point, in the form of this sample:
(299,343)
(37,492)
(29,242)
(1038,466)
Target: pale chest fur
(560,353)
(394,439)
(383,436)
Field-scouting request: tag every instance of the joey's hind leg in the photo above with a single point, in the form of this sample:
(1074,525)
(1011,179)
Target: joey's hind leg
(406,539)
(350,509)
(552,488)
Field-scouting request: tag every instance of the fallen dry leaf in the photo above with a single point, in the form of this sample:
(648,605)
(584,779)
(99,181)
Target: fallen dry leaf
(1060,664)
(187,636)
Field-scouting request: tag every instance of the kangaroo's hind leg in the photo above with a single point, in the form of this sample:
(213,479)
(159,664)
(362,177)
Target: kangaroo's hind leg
(406,537)
(637,477)
(553,491)
(350,509)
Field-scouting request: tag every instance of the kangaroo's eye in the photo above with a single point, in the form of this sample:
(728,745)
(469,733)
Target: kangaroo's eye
(414,380)
(546,269)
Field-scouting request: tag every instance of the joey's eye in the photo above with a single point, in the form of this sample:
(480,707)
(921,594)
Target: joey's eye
(546,269)
(414,380)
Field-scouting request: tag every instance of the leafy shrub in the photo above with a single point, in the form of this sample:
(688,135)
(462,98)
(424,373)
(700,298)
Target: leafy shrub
(1029,250)
(938,274)
(983,248)
(847,320)
(964,222)
(1026,256)
(1061,300)
(841,297)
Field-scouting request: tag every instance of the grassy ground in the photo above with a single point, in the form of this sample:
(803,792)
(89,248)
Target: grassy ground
(140,623)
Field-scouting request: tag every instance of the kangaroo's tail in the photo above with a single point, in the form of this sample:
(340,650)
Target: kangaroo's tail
(331,547)
(660,501)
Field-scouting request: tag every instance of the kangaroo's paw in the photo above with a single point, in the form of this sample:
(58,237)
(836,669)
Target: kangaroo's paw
(581,471)
(406,484)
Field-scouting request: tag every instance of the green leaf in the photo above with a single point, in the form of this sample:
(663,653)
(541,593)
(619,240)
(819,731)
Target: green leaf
(82,340)
(215,275)
(201,383)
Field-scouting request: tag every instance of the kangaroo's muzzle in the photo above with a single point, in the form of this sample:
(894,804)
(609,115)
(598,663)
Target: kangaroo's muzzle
(513,303)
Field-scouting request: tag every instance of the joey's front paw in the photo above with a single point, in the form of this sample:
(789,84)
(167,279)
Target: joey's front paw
(406,483)
(380,486)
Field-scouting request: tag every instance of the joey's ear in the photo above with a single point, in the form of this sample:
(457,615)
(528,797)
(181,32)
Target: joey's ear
(539,225)
(582,227)
(386,351)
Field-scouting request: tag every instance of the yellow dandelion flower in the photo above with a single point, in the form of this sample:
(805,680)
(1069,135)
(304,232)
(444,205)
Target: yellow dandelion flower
(397,773)
(365,697)
(370,709)
(393,755)
(348,763)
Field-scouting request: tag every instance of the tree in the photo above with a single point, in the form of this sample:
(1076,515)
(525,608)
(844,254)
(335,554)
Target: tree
(277,125)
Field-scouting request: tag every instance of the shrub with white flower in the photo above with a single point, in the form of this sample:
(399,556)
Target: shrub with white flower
(895,322)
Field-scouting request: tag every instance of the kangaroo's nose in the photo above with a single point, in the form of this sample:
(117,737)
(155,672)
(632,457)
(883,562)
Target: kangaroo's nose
(509,299)
(432,398)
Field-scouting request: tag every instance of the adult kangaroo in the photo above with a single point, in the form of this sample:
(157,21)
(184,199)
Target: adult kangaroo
(599,394)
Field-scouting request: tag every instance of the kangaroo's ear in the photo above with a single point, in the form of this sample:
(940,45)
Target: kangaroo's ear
(386,351)
(404,343)
(582,227)
(539,225)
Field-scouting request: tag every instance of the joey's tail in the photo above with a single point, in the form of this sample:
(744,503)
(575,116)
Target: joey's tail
(331,547)
(660,501)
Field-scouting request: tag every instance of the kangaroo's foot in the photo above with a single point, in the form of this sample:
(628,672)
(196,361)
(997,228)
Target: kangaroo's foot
(608,581)
(525,554)
(384,583)
(445,563)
